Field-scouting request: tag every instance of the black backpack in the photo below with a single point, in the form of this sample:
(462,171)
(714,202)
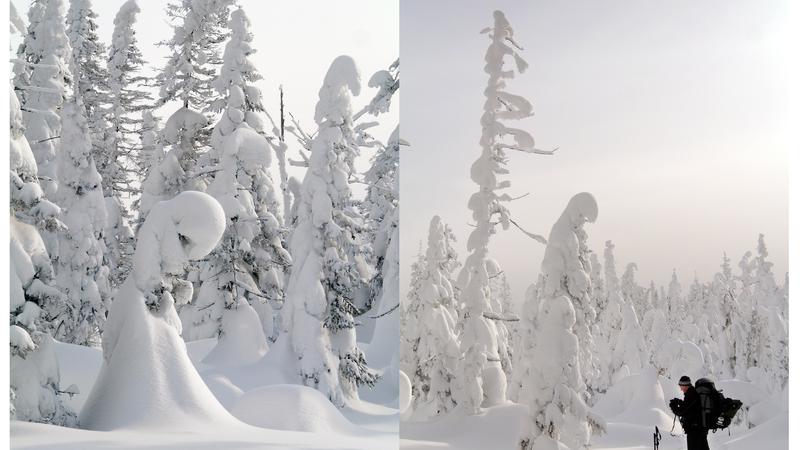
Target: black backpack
(716,411)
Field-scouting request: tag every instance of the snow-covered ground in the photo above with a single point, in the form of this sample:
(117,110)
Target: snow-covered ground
(632,409)
(272,413)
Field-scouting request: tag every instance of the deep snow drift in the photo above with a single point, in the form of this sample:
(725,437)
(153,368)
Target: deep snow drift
(279,415)
(632,408)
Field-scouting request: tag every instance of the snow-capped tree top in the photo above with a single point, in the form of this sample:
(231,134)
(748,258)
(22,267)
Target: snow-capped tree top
(51,34)
(185,228)
(76,167)
(342,80)
(85,64)
(581,208)
(566,248)
(502,35)
(184,124)
(123,38)
(187,76)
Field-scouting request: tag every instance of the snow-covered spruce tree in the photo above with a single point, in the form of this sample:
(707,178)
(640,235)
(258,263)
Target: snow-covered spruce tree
(81,272)
(724,293)
(487,206)
(175,173)
(528,326)
(119,162)
(630,352)
(768,330)
(631,292)
(387,81)
(29,52)
(676,305)
(248,267)
(434,343)
(330,272)
(609,320)
(411,307)
(381,210)
(556,392)
(28,201)
(34,377)
(150,141)
(188,76)
(90,77)
(49,82)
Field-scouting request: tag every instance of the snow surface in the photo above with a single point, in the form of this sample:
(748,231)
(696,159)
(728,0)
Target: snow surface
(368,427)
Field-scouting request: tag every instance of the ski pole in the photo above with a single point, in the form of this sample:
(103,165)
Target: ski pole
(656,438)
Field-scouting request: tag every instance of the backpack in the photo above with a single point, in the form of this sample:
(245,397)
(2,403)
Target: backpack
(716,411)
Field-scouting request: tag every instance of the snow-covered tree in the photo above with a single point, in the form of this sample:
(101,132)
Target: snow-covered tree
(556,391)
(30,51)
(149,139)
(34,376)
(330,268)
(119,161)
(50,79)
(411,307)
(676,306)
(90,77)
(631,292)
(488,209)
(630,352)
(433,340)
(175,173)
(142,335)
(382,212)
(387,82)
(188,76)
(248,267)
(81,272)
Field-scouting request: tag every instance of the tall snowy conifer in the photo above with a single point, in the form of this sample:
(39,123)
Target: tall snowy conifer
(556,391)
(50,80)
(81,272)
(250,263)
(330,270)
(119,162)
(90,78)
(188,76)
(479,340)
(434,343)
(34,377)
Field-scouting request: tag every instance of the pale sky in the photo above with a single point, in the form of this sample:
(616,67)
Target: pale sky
(673,114)
(294,48)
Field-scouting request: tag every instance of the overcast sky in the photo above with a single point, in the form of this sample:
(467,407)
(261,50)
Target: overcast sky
(673,114)
(294,48)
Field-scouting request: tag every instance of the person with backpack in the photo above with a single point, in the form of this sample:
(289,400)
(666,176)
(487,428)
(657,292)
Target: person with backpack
(690,411)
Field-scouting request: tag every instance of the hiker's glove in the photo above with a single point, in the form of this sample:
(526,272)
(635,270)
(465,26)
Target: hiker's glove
(675,405)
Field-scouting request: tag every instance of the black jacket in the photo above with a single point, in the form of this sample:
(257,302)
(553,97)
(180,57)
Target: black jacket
(689,410)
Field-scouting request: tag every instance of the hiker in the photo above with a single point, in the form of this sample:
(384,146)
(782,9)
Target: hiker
(690,414)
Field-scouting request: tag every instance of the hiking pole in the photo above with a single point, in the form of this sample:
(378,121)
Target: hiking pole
(656,438)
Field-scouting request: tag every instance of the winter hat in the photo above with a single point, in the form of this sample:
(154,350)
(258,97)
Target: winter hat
(685,381)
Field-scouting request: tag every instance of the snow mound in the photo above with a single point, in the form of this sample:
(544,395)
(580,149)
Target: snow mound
(773,434)
(405,392)
(290,407)
(148,381)
(243,341)
(637,400)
